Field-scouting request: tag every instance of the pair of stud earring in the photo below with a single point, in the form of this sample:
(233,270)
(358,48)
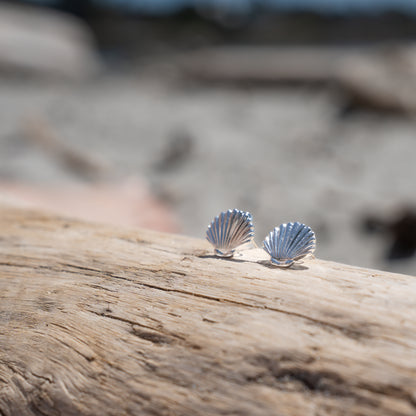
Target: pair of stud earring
(286,244)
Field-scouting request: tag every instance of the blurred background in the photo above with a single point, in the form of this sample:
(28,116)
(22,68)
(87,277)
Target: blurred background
(162,113)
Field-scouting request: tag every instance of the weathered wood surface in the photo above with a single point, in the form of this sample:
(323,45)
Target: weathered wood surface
(96,320)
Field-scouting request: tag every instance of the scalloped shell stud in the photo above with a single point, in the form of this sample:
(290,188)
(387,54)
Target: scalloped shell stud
(229,230)
(289,242)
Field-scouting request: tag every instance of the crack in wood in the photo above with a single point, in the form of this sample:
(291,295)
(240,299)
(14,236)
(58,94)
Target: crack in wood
(121,319)
(152,336)
(353,333)
(320,381)
(46,379)
(390,390)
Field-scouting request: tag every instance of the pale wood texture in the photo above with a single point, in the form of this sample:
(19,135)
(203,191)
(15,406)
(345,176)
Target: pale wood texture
(96,320)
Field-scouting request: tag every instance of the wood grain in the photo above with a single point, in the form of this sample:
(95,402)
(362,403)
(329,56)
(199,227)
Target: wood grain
(96,320)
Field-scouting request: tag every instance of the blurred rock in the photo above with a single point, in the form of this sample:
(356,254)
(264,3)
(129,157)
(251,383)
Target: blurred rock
(177,152)
(39,42)
(378,78)
(400,231)
(385,80)
(263,64)
(126,203)
(84,164)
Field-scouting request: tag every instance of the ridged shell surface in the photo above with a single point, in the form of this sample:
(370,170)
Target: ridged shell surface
(289,242)
(229,230)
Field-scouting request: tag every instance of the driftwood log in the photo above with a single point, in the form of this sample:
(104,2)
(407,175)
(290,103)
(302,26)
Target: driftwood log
(380,78)
(96,320)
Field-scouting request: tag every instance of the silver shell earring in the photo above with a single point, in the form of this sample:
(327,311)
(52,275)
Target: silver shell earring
(229,230)
(289,242)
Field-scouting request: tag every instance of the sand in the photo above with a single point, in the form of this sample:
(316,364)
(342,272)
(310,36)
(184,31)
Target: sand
(283,154)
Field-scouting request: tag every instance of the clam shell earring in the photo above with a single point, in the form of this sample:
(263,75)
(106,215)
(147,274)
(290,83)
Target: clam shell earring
(229,230)
(289,242)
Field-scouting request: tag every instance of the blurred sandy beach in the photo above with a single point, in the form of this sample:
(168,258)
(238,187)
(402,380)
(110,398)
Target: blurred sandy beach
(192,138)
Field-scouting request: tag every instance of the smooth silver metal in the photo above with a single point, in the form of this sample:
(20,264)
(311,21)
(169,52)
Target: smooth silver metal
(289,242)
(229,230)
